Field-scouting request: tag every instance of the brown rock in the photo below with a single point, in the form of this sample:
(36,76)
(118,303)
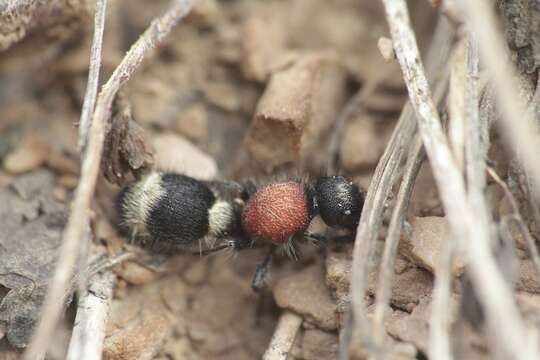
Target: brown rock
(338,271)
(223,95)
(68,181)
(297,108)
(409,287)
(528,277)
(263,40)
(386,47)
(137,274)
(424,244)
(30,154)
(317,344)
(414,327)
(141,321)
(174,153)
(401,264)
(140,341)
(62,163)
(306,294)
(361,146)
(204,12)
(385,101)
(193,124)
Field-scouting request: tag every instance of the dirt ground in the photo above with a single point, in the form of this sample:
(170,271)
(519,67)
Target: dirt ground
(239,89)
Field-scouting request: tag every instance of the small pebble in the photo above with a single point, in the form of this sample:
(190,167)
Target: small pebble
(29,155)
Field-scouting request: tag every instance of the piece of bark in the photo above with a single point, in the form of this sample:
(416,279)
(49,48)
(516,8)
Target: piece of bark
(296,110)
(125,147)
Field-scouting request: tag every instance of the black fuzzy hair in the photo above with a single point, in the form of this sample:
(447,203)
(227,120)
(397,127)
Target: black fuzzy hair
(180,217)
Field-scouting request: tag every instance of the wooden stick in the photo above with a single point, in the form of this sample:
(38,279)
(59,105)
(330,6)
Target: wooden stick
(91,320)
(283,338)
(381,185)
(384,282)
(93,74)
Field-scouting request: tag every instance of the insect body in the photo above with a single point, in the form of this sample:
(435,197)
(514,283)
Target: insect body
(279,214)
(165,211)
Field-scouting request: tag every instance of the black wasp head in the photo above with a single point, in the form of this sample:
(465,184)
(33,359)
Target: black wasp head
(339,201)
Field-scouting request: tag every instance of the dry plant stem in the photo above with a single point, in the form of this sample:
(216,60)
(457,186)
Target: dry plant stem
(414,161)
(516,216)
(384,288)
(91,320)
(283,338)
(440,320)
(467,219)
(93,74)
(456,104)
(78,219)
(516,122)
(383,179)
(477,127)
(474,160)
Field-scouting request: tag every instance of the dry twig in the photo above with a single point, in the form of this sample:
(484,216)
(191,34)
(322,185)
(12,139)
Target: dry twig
(473,152)
(466,216)
(91,320)
(384,287)
(283,338)
(93,74)
(384,283)
(381,184)
(78,219)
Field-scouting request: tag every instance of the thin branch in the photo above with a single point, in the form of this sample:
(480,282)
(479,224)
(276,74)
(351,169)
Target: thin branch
(384,288)
(73,232)
(474,158)
(467,218)
(383,179)
(477,127)
(517,125)
(439,327)
(283,338)
(456,104)
(93,74)
(91,320)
